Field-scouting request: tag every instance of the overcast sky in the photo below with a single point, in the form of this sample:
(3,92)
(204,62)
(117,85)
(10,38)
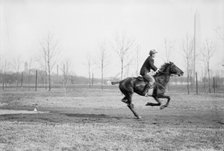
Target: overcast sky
(80,26)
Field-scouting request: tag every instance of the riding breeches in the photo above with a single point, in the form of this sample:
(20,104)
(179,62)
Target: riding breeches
(148,77)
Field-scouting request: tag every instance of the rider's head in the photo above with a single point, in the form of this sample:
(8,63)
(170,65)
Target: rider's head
(152,52)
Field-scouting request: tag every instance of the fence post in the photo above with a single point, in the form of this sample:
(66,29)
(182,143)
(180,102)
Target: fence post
(196,82)
(36,82)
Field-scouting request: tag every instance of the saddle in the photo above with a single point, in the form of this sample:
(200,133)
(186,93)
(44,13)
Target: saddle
(140,78)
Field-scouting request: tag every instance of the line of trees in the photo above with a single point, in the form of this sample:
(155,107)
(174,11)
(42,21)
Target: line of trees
(127,50)
(204,57)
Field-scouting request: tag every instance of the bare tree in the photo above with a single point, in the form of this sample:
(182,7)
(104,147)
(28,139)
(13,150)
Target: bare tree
(127,67)
(207,53)
(5,66)
(16,67)
(122,45)
(89,67)
(188,55)
(66,72)
(220,32)
(1,69)
(50,53)
(137,60)
(30,63)
(103,61)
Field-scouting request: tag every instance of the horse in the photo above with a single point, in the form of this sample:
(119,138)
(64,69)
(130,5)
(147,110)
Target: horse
(131,85)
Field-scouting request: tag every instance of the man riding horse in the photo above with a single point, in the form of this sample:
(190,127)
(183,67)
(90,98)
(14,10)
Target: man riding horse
(131,85)
(145,71)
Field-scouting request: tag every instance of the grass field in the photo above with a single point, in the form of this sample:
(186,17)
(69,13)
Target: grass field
(91,119)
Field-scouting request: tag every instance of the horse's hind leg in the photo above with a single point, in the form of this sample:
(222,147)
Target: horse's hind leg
(125,100)
(127,90)
(131,106)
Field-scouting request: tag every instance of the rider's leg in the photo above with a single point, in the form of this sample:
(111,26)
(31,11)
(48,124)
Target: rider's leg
(151,81)
(147,86)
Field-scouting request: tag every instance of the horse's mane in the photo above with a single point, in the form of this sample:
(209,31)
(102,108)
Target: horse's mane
(163,68)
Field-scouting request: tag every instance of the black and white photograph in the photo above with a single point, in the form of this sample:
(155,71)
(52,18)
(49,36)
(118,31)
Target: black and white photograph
(111,75)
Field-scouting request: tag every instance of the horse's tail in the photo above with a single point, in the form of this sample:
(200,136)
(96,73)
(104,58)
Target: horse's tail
(115,82)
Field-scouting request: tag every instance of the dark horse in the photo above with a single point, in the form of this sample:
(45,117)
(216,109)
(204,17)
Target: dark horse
(136,84)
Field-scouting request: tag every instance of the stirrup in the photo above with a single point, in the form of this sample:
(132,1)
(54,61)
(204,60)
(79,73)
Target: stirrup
(146,93)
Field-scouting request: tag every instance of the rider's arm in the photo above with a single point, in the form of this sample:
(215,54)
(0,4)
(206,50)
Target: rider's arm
(151,62)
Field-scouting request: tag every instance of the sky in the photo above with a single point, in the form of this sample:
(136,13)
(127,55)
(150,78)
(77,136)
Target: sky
(81,26)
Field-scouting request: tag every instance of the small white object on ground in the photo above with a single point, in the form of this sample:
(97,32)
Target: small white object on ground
(5,111)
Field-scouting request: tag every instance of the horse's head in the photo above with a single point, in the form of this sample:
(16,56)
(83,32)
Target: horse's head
(175,70)
(170,68)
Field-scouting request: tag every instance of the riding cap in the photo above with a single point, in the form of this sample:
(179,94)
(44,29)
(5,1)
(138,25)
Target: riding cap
(153,51)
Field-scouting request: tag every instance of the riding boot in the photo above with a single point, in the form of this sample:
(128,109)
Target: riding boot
(145,92)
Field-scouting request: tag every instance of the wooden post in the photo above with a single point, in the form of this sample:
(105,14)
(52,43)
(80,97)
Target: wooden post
(196,75)
(36,82)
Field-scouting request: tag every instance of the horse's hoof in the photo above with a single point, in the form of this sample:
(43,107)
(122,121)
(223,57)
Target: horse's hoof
(162,107)
(139,117)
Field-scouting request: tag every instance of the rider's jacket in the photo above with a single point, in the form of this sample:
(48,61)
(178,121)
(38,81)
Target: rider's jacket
(147,66)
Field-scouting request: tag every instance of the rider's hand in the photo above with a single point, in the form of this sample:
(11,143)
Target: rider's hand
(157,70)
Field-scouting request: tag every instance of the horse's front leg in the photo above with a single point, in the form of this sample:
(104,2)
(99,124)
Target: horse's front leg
(154,104)
(167,102)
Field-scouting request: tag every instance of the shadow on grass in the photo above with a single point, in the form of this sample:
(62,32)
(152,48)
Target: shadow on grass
(60,118)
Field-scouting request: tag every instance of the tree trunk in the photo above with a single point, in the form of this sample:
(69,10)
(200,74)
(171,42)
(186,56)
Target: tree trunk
(17,80)
(188,90)
(3,81)
(89,78)
(209,82)
(49,77)
(102,77)
(196,75)
(36,82)
(92,79)
(22,80)
(122,68)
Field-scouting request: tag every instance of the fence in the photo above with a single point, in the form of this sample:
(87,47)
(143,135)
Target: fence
(38,80)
